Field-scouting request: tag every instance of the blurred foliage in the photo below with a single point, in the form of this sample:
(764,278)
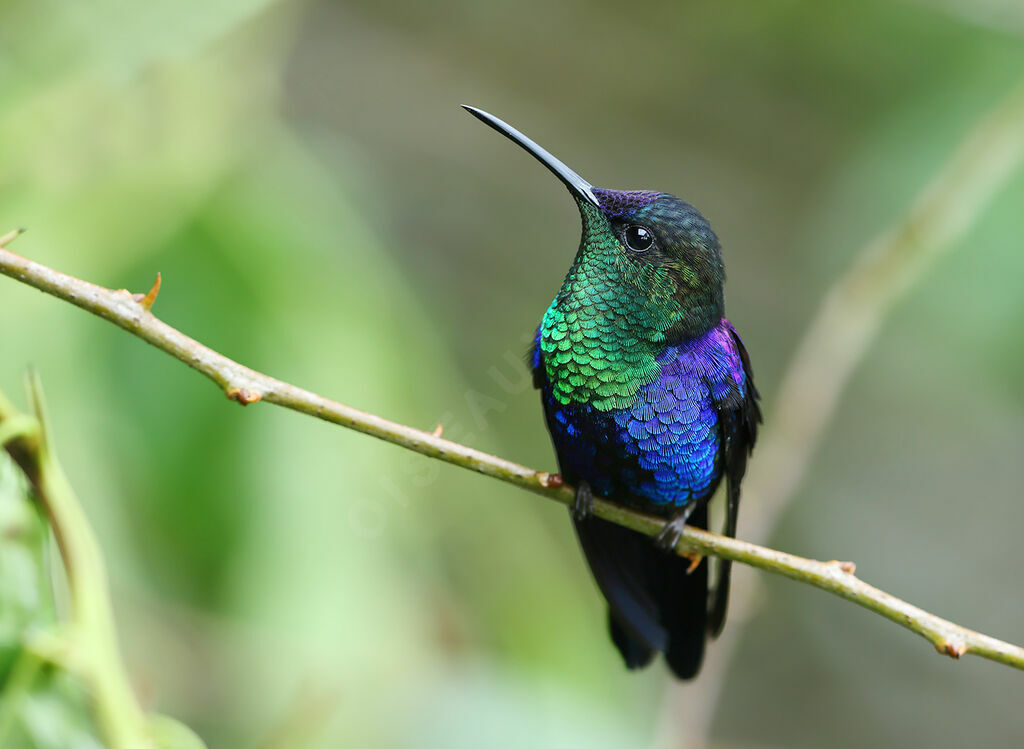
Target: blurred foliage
(40,707)
(322,210)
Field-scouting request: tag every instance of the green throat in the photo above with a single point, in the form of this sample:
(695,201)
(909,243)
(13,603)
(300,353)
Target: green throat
(601,336)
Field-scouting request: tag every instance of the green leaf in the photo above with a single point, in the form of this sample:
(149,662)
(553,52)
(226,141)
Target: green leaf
(55,715)
(172,734)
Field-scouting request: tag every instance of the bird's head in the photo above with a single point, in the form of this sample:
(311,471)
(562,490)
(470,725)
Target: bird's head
(656,253)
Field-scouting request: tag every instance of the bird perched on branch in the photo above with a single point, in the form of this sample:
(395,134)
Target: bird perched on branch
(649,398)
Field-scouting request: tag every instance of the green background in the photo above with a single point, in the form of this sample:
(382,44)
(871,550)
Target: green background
(322,210)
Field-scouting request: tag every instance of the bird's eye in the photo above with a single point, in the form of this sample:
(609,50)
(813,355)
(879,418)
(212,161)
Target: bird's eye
(637,238)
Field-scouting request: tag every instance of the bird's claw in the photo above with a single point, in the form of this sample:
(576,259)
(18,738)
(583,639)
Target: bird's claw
(583,504)
(670,534)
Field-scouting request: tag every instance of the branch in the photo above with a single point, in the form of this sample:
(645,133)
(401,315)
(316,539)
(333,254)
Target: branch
(246,386)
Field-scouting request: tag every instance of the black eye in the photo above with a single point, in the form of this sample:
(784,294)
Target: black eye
(637,238)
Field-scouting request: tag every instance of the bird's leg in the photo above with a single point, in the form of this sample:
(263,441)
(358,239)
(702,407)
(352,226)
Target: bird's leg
(668,537)
(583,505)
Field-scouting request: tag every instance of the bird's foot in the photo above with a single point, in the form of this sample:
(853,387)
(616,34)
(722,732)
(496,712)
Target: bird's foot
(670,534)
(583,505)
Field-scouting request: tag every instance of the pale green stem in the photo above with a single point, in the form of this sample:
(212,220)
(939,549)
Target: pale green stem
(90,643)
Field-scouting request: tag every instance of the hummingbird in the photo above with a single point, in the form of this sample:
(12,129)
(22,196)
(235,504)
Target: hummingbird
(649,397)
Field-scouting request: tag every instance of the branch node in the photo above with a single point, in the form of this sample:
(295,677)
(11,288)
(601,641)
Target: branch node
(849,568)
(954,649)
(549,480)
(147,299)
(241,395)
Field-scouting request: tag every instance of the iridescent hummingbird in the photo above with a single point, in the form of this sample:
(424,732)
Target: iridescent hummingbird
(649,398)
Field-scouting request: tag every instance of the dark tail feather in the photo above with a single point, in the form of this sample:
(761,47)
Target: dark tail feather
(685,608)
(720,598)
(736,460)
(622,562)
(635,653)
(654,605)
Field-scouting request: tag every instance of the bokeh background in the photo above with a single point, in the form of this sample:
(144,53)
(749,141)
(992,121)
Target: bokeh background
(321,209)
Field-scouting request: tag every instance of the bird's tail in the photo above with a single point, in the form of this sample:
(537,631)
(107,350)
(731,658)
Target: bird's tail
(654,604)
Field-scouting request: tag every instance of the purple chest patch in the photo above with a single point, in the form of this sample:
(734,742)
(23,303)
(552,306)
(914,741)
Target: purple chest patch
(663,451)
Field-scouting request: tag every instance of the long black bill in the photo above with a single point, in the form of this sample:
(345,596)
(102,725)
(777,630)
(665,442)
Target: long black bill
(579,187)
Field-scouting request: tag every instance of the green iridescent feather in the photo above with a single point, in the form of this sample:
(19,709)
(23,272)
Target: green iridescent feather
(601,335)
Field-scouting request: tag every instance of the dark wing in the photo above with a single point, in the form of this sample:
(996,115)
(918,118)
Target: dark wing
(534,363)
(738,417)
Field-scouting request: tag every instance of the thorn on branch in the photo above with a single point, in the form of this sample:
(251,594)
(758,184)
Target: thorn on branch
(438,430)
(146,300)
(245,397)
(10,236)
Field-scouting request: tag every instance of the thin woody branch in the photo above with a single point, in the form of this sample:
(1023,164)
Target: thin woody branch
(133,313)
